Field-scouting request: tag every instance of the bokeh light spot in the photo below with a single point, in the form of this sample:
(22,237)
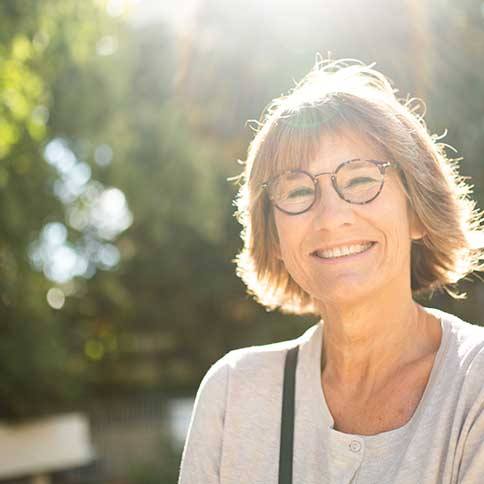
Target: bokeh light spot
(106,45)
(55,298)
(103,155)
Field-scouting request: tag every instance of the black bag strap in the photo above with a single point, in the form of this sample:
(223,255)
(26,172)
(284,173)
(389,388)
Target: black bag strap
(287,417)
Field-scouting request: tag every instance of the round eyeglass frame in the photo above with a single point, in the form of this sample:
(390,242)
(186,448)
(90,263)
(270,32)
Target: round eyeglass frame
(381,165)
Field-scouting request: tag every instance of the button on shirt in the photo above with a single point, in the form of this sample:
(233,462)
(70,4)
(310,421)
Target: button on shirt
(355,446)
(234,431)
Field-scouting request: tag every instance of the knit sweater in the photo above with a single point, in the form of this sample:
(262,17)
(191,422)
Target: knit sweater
(234,431)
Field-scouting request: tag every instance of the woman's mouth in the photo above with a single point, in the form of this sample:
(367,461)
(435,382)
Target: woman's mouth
(343,254)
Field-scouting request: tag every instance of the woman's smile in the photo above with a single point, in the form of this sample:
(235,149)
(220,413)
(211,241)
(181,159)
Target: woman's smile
(345,258)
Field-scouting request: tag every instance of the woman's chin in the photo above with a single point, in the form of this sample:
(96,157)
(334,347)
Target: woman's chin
(346,295)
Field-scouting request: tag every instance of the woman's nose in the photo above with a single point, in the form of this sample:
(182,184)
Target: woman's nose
(330,211)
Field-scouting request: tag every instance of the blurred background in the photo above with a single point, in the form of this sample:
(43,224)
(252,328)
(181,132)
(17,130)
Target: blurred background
(120,122)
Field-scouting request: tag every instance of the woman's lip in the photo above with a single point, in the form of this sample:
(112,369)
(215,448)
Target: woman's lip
(346,258)
(355,242)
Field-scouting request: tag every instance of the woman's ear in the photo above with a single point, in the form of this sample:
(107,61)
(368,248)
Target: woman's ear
(417,229)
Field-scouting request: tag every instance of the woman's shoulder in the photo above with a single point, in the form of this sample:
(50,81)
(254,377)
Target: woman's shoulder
(256,358)
(242,368)
(465,345)
(259,358)
(466,334)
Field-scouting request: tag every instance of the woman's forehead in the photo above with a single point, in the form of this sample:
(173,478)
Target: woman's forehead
(328,148)
(335,150)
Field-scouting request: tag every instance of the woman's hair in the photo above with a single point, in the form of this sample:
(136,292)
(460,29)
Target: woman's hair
(347,95)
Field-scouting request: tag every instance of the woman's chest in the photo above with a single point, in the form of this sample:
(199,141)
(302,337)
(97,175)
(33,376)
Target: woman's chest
(391,409)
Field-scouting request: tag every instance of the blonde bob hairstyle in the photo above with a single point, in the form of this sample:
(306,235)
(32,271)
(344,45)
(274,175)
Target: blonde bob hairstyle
(337,95)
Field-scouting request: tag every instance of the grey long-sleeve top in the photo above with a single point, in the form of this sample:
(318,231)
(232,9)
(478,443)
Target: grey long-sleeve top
(234,431)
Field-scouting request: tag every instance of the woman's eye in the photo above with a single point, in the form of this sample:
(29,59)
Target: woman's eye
(301,192)
(360,181)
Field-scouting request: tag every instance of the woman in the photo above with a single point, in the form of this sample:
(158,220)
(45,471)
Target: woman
(350,209)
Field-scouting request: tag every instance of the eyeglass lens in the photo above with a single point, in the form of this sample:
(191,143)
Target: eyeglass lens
(358,182)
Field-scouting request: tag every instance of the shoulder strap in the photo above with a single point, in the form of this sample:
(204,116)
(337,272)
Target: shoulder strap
(287,417)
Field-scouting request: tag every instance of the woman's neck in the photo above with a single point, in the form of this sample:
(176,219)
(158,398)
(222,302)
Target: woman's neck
(363,348)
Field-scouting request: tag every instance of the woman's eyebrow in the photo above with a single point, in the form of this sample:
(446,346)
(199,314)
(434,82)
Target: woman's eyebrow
(312,168)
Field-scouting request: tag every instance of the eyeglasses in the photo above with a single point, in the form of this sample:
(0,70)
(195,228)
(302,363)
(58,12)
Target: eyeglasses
(355,181)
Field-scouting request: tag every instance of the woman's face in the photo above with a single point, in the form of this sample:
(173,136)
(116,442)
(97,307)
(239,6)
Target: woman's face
(334,222)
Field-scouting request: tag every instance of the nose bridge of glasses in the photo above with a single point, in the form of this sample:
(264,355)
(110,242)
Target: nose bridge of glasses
(332,178)
(329,190)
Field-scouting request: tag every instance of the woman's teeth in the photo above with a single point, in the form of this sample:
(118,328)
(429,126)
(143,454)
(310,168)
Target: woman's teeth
(343,251)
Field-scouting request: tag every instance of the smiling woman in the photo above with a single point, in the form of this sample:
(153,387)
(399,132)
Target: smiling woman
(350,209)
(357,99)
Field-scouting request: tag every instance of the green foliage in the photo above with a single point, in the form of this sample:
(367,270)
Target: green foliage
(33,352)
